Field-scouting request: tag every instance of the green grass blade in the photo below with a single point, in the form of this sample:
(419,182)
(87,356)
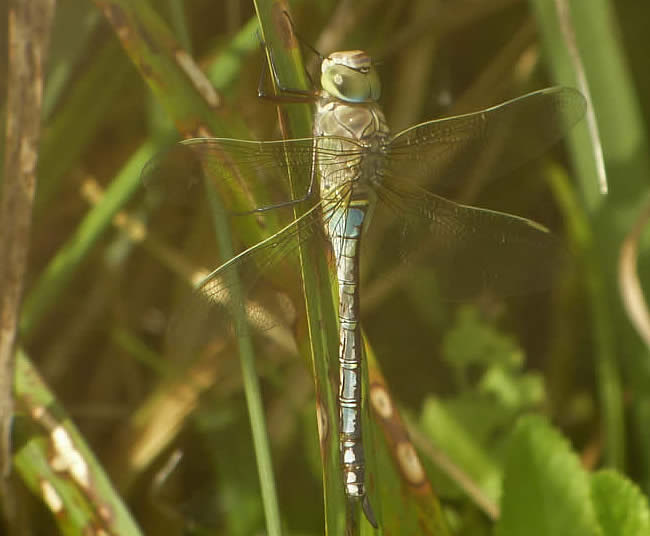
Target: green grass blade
(69,132)
(65,264)
(56,463)
(62,269)
(406,501)
(624,140)
(323,337)
(251,383)
(189,108)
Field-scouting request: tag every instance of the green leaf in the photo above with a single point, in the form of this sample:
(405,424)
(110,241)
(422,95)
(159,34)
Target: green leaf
(473,341)
(493,387)
(546,492)
(449,434)
(621,507)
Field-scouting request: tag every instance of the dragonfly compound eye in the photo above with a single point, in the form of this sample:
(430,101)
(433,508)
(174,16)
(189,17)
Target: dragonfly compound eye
(349,84)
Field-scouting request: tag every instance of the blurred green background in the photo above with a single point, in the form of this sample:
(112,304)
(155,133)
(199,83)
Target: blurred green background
(99,297)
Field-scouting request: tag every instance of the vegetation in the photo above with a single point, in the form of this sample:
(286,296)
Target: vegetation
(521,416)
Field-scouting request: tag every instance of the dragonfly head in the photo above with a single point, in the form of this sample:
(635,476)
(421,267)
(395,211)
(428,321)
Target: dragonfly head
(350,76)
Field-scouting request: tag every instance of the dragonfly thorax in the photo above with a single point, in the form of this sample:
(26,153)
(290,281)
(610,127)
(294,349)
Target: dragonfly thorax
(350,76)
(357,134)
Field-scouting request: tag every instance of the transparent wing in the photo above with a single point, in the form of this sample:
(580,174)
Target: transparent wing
(258,171)
(490,142)
(470,249)
(237,291)
(248,175)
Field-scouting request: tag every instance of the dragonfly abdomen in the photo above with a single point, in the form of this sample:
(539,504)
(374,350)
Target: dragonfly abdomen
(344,230)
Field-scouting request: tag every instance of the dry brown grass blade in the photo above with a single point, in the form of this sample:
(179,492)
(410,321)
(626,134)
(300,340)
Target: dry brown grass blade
(29,29)
(628,278)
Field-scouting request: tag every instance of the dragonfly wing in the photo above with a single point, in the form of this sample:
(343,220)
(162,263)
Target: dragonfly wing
(490,142)
(470,249)
(248,174)
(237,291)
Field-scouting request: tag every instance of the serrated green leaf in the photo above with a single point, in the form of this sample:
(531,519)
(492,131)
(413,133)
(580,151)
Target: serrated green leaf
(546,492)
(621,507)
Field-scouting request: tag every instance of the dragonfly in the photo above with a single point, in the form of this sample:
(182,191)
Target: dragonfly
(357,168)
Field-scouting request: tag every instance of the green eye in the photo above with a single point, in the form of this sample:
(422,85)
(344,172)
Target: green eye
(351,85)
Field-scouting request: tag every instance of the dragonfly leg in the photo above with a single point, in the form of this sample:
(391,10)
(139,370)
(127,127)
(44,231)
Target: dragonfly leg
(287,94)
(284,204)
(302,40)
(266,208)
